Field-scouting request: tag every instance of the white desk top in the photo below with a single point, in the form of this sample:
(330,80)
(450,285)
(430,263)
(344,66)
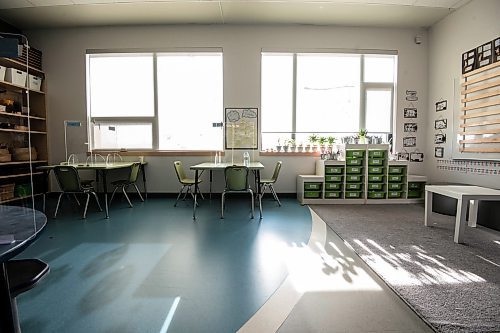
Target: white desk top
(223,165)
(458,191)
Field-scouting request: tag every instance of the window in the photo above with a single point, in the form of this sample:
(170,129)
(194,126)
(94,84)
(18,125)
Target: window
(145,100)
(329,94)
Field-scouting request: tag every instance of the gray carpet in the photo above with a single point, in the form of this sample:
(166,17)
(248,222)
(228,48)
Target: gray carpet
(454,287)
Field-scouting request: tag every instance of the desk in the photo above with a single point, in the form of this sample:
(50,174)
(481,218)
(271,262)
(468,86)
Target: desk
(463,194)
(25,224)
(254,166)
(102,169)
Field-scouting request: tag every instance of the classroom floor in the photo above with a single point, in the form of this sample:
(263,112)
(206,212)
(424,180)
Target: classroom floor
(153,269)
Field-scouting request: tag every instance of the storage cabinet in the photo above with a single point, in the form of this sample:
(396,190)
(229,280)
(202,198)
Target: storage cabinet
(22,124)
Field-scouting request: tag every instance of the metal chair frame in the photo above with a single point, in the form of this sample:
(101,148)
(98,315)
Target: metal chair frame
(125,183)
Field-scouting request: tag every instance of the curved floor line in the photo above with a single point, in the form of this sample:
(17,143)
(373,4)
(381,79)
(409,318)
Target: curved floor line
(278,307)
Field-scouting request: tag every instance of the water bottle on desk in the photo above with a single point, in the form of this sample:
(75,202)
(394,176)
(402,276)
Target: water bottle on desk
(246,159)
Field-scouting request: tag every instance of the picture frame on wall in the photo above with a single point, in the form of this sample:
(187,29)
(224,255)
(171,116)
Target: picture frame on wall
(410,141)
(496,49)
(441,105)
(468,61)
(411,95)
(241,128)
(439,138)
(404,156)
(410,127)
(440,124)
(416,157)
(410,113)
(484,55)
(439,152)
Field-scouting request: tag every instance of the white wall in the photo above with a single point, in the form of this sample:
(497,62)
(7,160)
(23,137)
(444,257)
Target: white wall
(64,64)
(472,25)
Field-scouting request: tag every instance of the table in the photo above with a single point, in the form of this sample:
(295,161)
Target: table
(102,169)
(254,166)
(463,194)
(25,224)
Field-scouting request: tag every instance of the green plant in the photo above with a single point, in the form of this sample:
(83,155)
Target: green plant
(313,138)
(331,140)
(322,140)
(292,142)
(363,132)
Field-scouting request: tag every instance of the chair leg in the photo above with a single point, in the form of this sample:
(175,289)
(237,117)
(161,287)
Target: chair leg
(112,195)
(97,200)
(251,194)
(76,199)
(178,196)
(138,192)
(260,205)
(222,208)
(126,196)
(275,195)
(187,191)
(58,202)
(86,206)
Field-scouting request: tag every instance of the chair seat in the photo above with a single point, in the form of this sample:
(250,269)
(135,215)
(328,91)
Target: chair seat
(267,181)
(189,181)
(120,182)
(24,274)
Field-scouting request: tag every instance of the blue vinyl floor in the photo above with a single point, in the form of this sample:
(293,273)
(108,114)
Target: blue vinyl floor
(151,268)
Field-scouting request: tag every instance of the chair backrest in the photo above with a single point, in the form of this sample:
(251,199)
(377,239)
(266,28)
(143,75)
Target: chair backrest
(68,179)
(276,171)
(134,171)
(179,170)
(236,178)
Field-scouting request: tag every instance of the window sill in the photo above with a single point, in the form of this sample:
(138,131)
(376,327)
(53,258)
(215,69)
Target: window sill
(282,153)
(156,152)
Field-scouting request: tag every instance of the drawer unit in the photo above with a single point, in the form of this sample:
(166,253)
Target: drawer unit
(415,185)
(355,153)
(375,170)
(375,161)
(312,186)
(352,194)
(333,170)
(396,170)
(376,153)
(376,195)
(395,178)
(333,186)
(353,178)
(333,179)
(333,195)
(354,161)
(375,186)
(394,194)
(414,193)
(375,178)
(352,186)
(394,186)
(312,194)
(354,170)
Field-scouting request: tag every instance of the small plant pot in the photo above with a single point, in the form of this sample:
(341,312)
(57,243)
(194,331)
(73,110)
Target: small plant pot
(285,149)
(300,149)
(278,148)
(293,149)
(314,149)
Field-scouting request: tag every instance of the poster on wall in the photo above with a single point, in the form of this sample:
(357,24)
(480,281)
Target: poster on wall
(404,156)
(410,127)
(241,130)
(468,61)
(484,54)
(410,113)
(439,138)
(411,95)
(439,152)
(440,124)
(416,157)
(496,50)
(410,141)
(441,105)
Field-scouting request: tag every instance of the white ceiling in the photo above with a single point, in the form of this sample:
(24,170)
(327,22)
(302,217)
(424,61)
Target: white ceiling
(39,14)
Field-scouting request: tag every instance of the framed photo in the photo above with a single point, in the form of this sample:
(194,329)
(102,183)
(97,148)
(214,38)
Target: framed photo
(496,49)
(439,152)
(241,128)
(403,156)
(440,124)
(416,157)
(469,61)
(410,141)
(411,95)
(410,113)
(484,55)
(410,127)
(441,106)
(439,138)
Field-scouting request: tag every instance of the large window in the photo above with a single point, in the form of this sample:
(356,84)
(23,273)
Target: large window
(161,101)
(328,94)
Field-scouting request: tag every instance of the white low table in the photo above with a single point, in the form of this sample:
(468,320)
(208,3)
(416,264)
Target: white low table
(463,194)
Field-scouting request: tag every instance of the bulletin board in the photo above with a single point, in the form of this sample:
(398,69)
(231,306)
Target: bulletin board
(241,128)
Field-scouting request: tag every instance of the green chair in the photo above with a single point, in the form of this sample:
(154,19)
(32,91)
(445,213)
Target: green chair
(125,183)
(69,182)
(186,182)
(268,183)
(237,182)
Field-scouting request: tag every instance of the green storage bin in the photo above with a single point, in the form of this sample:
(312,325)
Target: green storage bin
(376,186)
(414,193)
(394,194)
(375,170)
(333,195)
(333,186)
(352,194)
(355,153)
(394,186)
(353,186)
(415,186)
(333,179)
(395,178)
(353,178)
(333,170)
(354,161)
(376,153)
(376,195)
(312,194)
(375,178)
(354,169)
(375,161)
(397,170)
(312,186)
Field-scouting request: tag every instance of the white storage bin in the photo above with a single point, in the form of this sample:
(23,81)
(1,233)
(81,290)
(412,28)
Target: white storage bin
(34,82)
(15,76)
(2,73)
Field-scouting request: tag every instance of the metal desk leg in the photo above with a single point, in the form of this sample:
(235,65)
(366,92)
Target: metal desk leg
(7,317)
(105,188)
(196,189)
(143,171)
(428,207)
(210,184)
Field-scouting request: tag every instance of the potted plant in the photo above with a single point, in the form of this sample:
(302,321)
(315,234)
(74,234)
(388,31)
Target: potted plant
(278,146)
(362,135)
(322,141)
(313,139)
(300,147)
(331,141)
(286,145)
(292,144)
